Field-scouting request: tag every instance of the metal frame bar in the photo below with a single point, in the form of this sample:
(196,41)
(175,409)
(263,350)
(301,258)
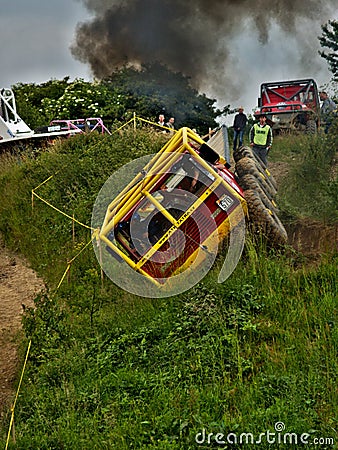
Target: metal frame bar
(141,186)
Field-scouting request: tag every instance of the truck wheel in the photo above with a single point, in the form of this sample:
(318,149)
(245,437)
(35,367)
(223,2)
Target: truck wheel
(311,127)
(265,220)
(247,165)
(242,152)
(249,182)
(246,152)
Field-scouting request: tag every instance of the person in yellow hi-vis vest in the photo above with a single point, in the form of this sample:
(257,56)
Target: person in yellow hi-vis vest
(261,138)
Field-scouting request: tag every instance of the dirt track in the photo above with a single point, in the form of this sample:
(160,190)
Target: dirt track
(18,286)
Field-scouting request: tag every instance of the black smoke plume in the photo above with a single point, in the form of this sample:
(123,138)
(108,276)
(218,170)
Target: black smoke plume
(193,37)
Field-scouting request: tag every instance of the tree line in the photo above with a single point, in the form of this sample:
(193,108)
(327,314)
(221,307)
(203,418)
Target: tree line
(149,91)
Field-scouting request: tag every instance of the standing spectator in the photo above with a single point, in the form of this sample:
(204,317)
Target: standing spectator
(170,124)
(161,121)
(261,138)
(326,110)
(240,121)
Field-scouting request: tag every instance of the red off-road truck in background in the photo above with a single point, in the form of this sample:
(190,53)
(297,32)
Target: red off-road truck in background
(290,105)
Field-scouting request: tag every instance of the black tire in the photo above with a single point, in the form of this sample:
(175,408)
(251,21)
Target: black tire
(247,165)
(271,178)
(261,164)
(250,182)
(246,152)
(264,220)
(243,152)
(311,127)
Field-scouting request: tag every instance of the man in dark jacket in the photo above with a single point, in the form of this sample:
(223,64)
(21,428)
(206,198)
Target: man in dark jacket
(240,121)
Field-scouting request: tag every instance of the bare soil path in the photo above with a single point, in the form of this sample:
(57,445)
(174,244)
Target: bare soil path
(18,286)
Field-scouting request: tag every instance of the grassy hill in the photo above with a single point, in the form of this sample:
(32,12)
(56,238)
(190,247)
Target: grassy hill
(109,370)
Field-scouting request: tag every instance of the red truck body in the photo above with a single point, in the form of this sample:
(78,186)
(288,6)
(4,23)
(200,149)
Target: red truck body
(290,105)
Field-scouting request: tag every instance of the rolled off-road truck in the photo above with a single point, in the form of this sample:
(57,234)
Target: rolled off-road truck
(183,204)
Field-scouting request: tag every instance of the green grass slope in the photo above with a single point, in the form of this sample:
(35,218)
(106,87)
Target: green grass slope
(109,370)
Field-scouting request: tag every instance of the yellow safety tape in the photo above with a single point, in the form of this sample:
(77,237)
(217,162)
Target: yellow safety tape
(61,212)
(17,395)
(143,120)
(122,126)
(41,184)
(63,277)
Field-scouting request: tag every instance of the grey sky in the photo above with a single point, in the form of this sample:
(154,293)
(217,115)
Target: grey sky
(35,39)
(36,36)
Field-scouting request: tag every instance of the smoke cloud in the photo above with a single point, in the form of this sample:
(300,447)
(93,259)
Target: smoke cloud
(195,37)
